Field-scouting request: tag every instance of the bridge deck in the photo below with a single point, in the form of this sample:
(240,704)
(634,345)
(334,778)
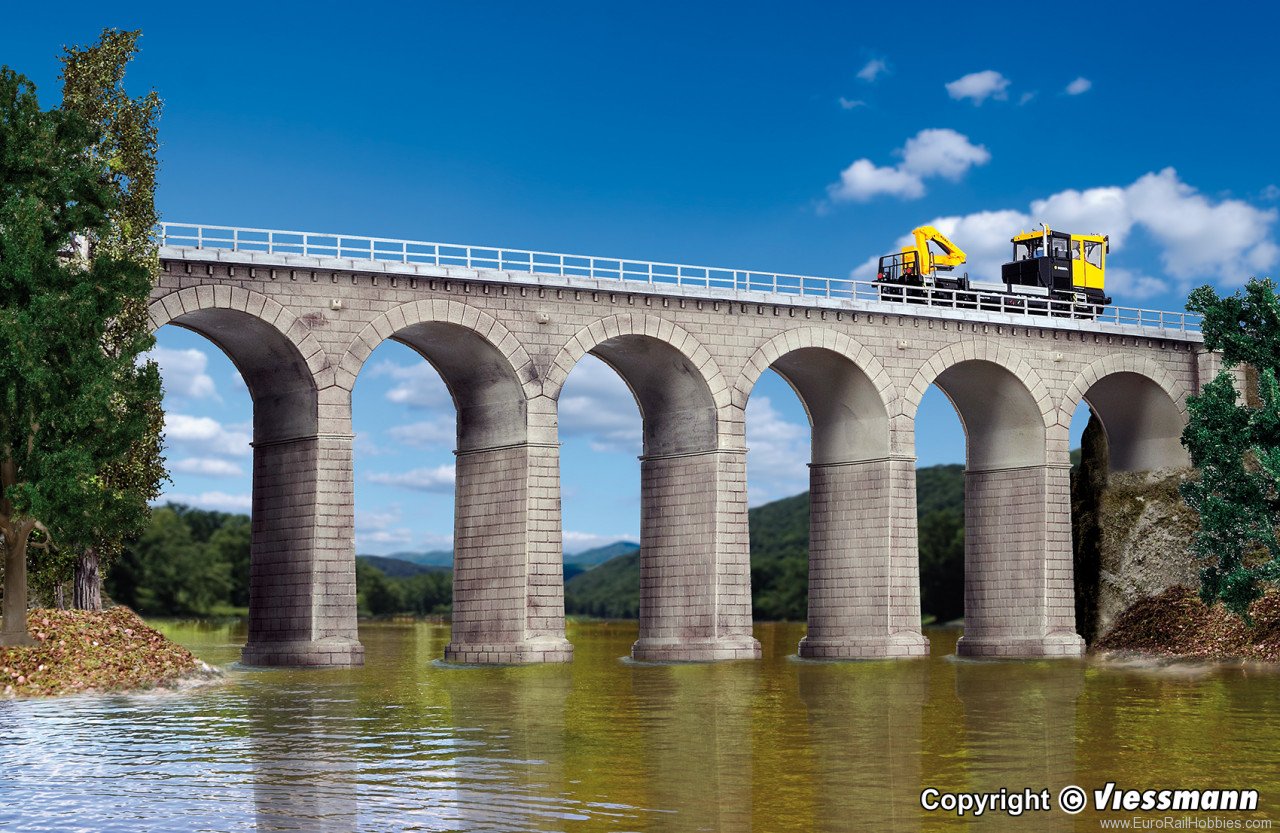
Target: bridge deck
(348,253)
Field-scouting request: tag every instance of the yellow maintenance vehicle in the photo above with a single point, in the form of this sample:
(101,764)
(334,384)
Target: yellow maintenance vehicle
(918,264)
(1068,269)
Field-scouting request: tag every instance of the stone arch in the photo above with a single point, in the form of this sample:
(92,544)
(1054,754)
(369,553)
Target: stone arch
(1142,407)
(863,596)
(677,384)
(844,388)
(485,367)
(1005,407)
(282,363)
(302,602)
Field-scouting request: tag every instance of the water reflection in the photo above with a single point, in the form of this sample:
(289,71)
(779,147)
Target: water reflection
(1020,731)
(599,744)
(513,777)
(304,770)
(865,723)
(696,723)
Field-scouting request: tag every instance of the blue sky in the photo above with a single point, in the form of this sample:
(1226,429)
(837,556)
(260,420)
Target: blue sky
(807,139)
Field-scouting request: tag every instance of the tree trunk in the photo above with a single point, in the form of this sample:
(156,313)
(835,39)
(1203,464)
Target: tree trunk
(88,582)
(60,595)
(14,629)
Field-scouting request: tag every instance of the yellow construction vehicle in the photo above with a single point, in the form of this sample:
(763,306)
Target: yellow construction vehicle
(918,264)
(1067,270)
(1067,266)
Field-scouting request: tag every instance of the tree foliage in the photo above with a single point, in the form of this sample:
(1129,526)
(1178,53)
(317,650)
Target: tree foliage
(67,407)
(126,155)
(1237,449)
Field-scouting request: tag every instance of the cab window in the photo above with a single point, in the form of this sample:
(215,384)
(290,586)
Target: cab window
(1093,253)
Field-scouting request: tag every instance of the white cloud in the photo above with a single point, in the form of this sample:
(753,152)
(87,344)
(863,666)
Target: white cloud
(381,529)
(1229,239)
(364,444)
(385,537)
(206,466)
(419,385)
(778,452)
(864,179)
(1078,86)
(439,479)
(930,153)
(217,501)
(1026,98)
(1138,286)
(1271,193)
(941,152)
(205,435)
(979,86)
(441,430)
(596,404)
(1197,238)
(873,69)
(184,372)
(849,104)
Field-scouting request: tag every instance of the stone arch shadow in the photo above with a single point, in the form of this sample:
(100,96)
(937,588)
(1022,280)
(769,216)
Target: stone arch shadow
(1142,408)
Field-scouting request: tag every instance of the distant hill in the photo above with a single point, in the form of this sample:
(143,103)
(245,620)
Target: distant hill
(591,558)
(780,558)
(610,591)
(396,567)
(584,560)
(434,558)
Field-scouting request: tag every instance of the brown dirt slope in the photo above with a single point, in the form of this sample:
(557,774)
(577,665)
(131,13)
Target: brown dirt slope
(1176,623)
(79,651)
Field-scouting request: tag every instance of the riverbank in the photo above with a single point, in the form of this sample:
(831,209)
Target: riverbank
(80,651)
(1175,623)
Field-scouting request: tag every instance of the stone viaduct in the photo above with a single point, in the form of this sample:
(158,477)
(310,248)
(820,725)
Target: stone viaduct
(299,315)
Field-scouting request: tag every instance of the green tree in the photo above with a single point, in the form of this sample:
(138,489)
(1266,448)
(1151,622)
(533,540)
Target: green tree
(65,403)
(171,572)
(229,545)
(1236,448)
(125,154)
(942,563)
(380,595)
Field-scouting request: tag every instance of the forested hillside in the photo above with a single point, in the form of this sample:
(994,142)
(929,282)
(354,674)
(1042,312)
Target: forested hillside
(780,558)
(193,562)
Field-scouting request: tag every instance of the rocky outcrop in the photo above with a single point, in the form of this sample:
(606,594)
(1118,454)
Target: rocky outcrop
(1132,534)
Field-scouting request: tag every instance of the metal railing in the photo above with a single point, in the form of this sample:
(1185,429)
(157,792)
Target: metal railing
(555,264)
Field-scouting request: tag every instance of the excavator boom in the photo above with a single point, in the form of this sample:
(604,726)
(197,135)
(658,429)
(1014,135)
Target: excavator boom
(951,256)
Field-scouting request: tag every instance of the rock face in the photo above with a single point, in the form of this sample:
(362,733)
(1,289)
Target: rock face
(1146,541)
(1132,535)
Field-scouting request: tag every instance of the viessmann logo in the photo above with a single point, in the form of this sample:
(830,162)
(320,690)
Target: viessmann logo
(1073,799)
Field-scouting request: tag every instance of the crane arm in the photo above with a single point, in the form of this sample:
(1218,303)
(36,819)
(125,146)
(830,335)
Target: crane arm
(951,256)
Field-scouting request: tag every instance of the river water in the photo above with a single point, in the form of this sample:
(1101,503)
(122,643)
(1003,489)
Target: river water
(407,743)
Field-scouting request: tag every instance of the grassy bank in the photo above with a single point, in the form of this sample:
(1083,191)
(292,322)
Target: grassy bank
(1177,623)
(78,651)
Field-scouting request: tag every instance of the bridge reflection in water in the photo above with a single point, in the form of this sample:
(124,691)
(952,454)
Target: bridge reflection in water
(607,744)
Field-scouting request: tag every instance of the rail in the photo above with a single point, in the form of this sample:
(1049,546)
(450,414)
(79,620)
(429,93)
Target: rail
(555,264)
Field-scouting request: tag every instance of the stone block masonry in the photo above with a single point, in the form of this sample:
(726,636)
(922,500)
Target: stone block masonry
(301,328)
